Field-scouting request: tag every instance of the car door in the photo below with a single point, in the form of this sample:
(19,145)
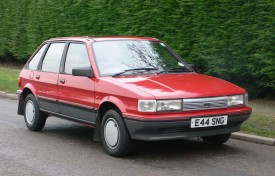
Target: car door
(76,93)
(47,76)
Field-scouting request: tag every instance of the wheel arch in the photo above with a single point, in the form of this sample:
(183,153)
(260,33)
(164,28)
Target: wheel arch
(105,105)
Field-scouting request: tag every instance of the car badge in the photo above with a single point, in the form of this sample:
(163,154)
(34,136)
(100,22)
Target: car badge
(207,105)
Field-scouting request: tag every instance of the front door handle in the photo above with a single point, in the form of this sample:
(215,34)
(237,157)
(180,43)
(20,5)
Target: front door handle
(62,81)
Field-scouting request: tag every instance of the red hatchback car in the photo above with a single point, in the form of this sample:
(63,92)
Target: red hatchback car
(127,88)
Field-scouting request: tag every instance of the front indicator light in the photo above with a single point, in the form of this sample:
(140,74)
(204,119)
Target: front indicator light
(147,105)
(246,99)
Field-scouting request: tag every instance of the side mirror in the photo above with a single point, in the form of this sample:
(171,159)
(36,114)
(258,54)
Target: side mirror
(192,66)
(83,71)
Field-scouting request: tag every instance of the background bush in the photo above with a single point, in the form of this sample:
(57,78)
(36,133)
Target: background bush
(233,40)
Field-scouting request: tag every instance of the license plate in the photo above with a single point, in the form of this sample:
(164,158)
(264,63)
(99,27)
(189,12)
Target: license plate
(208,121)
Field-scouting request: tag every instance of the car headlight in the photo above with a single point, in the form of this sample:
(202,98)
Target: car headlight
(159,105)
(236,100)
(169,105)
(147,105)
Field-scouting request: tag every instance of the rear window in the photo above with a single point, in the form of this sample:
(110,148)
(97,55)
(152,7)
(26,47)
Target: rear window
(51,62)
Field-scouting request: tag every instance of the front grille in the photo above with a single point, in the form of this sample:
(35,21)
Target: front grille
(204,103)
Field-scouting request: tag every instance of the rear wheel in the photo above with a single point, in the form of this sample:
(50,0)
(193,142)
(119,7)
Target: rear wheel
(115,137)
(217,139)
(35,119)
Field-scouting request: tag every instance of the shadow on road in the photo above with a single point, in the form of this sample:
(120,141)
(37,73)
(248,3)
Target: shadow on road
(187,148)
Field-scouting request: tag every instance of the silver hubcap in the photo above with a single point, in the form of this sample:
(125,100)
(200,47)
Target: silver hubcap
(111,133)
(30,112)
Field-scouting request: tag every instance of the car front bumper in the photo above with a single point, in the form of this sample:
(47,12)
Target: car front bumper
(167,130)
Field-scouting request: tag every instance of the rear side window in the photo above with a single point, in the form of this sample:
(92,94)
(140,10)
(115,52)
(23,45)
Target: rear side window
(77,56)
(35,60)
(52,58)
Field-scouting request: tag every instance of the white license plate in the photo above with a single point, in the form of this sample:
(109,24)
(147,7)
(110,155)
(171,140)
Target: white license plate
(208,121)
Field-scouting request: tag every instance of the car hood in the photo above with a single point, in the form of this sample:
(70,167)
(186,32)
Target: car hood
(189,85)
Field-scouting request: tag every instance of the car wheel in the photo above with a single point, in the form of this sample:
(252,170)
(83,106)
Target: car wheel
(217,139)
(115,137)
(35,119)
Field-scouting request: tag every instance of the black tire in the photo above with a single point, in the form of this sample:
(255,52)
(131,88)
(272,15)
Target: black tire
(120,142)
(35,119)
(217,139)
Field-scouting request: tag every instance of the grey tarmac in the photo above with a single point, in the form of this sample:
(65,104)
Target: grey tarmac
(66,148)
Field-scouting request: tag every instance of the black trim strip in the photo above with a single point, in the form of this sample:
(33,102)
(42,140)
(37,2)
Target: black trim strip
(49,100)
(93,110)
(69,117)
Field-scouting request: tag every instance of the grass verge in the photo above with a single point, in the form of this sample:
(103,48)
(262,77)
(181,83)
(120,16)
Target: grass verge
(260,124)
(8,79)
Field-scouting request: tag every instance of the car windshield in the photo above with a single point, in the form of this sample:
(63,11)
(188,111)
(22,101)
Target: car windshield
(136,57)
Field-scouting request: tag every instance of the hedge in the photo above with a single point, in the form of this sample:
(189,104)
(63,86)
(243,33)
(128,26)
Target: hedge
(230,39)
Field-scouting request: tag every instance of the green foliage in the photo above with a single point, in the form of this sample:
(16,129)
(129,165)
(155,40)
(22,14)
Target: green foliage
(8,79)
(260,124)
(233,40)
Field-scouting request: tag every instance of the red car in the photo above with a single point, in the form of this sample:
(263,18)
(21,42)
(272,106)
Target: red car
(127,88)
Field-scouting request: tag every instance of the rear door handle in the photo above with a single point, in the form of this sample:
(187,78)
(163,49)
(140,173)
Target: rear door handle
(62,81)
(37,76)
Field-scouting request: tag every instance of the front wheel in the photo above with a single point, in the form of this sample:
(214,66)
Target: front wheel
(35,119)
(115,137)
(217,139)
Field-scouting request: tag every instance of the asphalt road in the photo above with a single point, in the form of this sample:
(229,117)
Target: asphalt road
(66,148)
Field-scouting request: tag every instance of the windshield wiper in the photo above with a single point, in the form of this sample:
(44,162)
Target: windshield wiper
(174,70)
(135,69)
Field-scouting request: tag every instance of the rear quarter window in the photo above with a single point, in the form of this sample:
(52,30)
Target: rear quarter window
(33,64)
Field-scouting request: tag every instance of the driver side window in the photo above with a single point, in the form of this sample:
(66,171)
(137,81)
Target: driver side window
(77,56)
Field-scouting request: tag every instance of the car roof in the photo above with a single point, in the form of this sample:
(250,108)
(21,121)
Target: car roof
(101,38)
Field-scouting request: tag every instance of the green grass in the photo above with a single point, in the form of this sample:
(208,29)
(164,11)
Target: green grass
(260,124)
(8,79)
